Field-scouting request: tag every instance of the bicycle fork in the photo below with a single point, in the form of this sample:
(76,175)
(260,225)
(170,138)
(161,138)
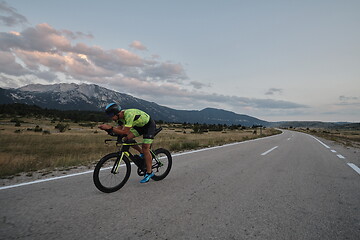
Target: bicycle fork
(115,168)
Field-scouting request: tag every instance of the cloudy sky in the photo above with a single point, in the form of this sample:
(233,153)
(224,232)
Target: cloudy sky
(274,60)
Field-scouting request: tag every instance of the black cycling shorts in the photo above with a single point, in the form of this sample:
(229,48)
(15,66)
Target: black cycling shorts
(148,130)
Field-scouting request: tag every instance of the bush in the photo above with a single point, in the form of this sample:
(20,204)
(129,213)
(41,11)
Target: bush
(175,146)
(38,129)
(16,120)
(62,127)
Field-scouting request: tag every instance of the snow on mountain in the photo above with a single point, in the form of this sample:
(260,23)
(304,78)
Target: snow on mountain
(92,97)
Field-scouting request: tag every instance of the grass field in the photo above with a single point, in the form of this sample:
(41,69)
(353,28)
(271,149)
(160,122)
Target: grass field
(347,137)
(36,145)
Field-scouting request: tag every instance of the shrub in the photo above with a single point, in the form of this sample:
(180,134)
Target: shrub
(38,129)
(62,127)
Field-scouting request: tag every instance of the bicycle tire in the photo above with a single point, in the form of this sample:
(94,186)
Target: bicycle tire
(103,177)
(166,159)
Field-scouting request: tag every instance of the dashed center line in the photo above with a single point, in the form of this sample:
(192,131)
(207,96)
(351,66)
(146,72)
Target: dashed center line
(353,166)
(269,151)
(340,156)
(333,151)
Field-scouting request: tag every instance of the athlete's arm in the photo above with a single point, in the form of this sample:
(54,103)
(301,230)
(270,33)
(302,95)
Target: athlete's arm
(122,130)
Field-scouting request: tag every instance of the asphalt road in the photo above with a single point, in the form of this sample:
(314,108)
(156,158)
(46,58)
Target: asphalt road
(289,186)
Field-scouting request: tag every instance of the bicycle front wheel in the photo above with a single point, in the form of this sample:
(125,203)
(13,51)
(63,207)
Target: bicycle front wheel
(161,163)
(112,172)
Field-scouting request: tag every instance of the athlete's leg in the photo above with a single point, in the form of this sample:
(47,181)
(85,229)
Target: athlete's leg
(148,158)
(132,135)
(137,148)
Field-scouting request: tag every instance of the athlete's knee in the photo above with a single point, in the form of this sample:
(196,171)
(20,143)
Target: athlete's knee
(146,147)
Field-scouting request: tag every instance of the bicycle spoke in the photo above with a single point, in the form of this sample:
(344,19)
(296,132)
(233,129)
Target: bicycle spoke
(111,173)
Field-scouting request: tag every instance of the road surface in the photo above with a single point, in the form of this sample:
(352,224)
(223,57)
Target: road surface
(289,186)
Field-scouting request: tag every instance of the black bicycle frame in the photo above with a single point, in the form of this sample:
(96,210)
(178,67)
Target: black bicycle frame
(139,162)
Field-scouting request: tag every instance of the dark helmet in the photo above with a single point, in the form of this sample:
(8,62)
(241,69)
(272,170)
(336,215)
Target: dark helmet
(112,109)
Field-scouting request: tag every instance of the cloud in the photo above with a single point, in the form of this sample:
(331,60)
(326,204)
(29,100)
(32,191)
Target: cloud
(171,72)
(250,102)
(43,46)
(273,91)
(138,45)
(8,65)
(198,85)
(44,54)
(42,38)
(346,99)
(77,35)
(180,96)
(10,82)
(9,16)
(349,101)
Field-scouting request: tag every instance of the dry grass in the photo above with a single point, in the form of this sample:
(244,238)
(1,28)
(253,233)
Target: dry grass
(176,140)
(346,137)
(31,151)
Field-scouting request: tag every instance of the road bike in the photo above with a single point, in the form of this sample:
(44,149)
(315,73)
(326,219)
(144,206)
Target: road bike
(113,170)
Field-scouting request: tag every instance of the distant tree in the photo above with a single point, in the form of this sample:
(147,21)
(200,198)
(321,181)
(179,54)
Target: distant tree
(196,128)
(38,129)
(62,127)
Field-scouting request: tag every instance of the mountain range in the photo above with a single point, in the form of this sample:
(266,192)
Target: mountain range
(92,97)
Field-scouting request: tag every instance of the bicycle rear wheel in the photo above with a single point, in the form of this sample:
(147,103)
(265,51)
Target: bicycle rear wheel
(161,164)
(110,173)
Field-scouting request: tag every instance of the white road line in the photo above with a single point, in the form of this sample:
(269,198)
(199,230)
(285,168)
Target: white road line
(263,154)
(45,180)
(338,155)
(173,155)
(353,166)
(229,144)
(320,142)
(288,139)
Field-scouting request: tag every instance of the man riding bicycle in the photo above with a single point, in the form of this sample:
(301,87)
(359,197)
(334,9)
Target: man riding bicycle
(133,123)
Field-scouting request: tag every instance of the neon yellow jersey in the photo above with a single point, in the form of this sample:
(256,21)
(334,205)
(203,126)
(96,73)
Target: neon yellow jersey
(135,118)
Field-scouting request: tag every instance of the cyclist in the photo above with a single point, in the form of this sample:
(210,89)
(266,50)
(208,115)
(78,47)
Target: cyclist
(133,123)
